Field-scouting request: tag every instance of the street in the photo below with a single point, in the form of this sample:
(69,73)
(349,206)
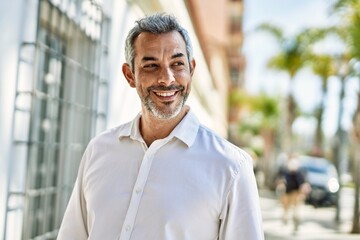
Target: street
(316,223)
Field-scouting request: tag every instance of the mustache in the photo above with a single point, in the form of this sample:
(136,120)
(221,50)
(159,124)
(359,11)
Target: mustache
(165,88)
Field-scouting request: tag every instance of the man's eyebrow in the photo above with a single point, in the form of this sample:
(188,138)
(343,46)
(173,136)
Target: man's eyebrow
(177,55)
(144,59)
(148,58)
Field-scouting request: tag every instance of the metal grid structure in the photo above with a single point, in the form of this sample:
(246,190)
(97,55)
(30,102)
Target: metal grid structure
(61,101)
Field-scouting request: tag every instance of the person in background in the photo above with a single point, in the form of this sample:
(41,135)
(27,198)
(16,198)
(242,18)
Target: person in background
(292,189)
(162,175)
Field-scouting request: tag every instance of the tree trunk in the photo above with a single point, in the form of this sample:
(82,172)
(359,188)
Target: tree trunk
(356,223)
(356,220)
(290,116)
(356,131)
(269,135)
(318,145)
(319,137)
(337,157)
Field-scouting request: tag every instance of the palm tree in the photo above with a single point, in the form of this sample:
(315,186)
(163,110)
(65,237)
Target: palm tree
(356,134)
(269,110)
(291,60)
(350,33)
(262,119)
(295,53)
(323,66)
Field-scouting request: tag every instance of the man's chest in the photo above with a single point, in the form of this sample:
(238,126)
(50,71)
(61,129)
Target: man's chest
(153,192)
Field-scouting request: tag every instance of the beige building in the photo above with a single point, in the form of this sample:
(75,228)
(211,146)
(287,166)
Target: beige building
(61,84)
(219,27)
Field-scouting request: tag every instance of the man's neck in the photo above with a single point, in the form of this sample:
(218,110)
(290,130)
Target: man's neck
(152,128)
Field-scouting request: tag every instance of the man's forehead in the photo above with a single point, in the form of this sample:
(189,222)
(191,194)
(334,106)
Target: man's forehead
(150,43)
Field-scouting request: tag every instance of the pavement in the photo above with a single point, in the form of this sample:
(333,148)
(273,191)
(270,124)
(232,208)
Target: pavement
(315,224)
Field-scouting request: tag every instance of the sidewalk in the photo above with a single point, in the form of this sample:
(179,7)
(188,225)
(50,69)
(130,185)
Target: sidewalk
(316,223)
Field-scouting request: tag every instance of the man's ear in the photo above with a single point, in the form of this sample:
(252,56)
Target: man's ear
(128,75)
(192,66)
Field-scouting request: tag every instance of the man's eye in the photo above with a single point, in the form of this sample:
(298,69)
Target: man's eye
(150,66)
(178,64)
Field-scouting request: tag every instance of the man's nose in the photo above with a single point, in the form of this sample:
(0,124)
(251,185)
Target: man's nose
(166,77)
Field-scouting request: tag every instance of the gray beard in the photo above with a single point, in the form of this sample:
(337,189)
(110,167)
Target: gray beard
(151,106)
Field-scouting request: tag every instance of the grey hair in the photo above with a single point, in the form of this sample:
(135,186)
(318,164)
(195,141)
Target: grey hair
(157,24)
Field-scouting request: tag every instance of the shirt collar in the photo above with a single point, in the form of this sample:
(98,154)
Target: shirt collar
(130,129)
(185,131)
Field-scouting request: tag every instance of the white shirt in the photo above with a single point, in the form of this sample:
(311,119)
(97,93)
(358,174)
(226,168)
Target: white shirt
(191,185)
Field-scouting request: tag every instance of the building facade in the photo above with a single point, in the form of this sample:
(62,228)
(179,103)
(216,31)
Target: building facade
(60,85)
(219,26)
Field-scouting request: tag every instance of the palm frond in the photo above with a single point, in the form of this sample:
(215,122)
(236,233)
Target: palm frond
(273,30)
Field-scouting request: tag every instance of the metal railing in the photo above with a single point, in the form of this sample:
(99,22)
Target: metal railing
(57,110)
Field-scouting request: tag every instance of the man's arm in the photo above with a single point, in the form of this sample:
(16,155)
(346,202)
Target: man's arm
(241,215)
(74,223)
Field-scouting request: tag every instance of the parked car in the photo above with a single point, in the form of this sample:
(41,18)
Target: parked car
(322,176)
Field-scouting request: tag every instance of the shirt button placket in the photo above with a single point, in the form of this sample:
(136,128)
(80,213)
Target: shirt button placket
(136,196)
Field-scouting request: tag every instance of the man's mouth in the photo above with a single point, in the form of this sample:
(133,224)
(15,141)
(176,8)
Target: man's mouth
(165,94)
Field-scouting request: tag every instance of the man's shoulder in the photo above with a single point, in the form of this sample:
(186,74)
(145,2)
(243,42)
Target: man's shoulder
(112,133)
(220,146)
(207,134)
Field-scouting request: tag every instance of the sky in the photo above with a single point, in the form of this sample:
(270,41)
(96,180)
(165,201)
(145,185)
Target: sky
(292,16)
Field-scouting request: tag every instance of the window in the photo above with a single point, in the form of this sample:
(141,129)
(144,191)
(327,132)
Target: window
(60,104)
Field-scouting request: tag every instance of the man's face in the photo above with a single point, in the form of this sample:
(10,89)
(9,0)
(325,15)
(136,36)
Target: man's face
(162,74)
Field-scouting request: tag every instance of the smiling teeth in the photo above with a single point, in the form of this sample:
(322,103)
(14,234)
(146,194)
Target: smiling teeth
(165,94)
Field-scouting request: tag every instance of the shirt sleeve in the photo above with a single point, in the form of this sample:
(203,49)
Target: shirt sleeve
(74,224)
(241,214)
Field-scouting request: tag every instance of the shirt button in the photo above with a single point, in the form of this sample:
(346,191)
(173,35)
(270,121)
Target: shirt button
(127,228)
(138,190)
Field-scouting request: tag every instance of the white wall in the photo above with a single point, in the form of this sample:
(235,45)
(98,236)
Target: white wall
(10,19)
(124,103)
(14,15)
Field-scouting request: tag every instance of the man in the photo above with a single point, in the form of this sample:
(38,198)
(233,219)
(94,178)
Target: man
(295,189)
(162,175)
